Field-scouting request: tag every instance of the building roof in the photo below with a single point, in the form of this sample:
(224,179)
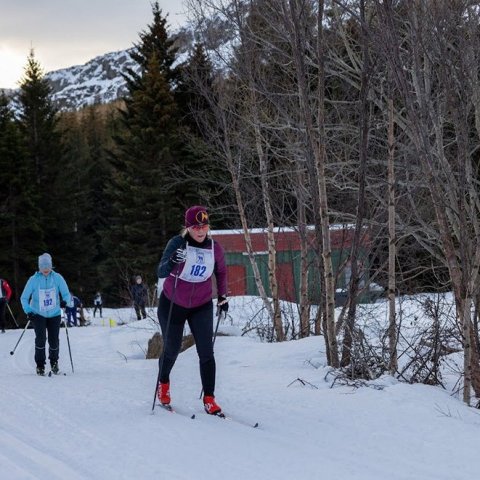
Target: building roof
(286,238)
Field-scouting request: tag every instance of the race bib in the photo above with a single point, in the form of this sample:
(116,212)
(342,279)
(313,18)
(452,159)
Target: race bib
(47,299)
(199,264)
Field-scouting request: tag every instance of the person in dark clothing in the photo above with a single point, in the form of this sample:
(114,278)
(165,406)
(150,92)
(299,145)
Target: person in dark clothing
(139,294)
(5,295)
(97,304)
(41,303)
(188,264)
(72,311)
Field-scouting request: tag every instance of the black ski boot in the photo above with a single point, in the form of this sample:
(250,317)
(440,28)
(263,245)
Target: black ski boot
(41,371)
(55,368)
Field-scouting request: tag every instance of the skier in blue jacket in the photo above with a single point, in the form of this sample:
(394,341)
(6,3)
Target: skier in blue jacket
(41,302)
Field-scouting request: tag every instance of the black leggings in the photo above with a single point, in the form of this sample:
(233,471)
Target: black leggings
(200,321)
(140,310)
(43,325)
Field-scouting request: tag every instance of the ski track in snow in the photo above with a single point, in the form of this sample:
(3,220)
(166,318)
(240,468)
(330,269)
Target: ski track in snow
(20,459)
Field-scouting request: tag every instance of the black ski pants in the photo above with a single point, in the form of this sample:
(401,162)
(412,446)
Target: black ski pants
(200,321)
(42,326)
(140,310)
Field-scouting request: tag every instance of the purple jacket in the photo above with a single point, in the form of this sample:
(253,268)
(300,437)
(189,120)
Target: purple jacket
(187,294)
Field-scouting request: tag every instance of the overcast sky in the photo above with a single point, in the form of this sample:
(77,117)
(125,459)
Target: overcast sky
(71,32)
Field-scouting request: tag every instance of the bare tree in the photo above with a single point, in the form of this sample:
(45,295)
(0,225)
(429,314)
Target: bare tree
(364,105)
(423,47)
(236,136)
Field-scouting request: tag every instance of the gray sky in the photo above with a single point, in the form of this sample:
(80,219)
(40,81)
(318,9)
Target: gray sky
(71,32)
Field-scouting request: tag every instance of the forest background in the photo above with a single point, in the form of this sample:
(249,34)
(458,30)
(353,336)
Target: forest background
(286,113)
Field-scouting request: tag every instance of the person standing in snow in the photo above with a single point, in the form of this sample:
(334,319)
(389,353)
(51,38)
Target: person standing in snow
(5,295)
(139,294)
(72,311)
(97,304)
(41,302)
(188,264)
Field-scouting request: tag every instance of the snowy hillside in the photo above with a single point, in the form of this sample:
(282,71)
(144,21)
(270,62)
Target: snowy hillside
(96,423)
(98,81)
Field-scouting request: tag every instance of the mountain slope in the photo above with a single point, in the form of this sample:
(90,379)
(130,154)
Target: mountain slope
(98,81)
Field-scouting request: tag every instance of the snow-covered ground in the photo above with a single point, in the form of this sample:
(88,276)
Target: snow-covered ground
(97,423)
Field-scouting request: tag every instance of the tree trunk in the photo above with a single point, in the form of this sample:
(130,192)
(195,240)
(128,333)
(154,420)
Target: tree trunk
(243,218)
(320,161)
(463,314)
(272,251)
(353,287)
(304,302)
(315,146)
(250,251)
(392,241)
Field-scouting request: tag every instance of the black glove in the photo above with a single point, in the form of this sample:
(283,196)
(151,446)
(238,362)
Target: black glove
(31,316)
(222,303)
(63,304)
(179,255)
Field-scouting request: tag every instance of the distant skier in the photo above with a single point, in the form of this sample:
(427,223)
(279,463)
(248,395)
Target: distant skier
(5,295)
(139,294)
(72,311)
(188,263)
(41,302)
(97,304)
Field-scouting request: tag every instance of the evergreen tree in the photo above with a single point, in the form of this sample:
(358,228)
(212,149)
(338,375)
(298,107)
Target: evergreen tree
(143,195)
(38,118)
(154,41)
(74,237)
(94,124)
(205,177)
(147,197)
(196,81)
(38,123)
(20,230)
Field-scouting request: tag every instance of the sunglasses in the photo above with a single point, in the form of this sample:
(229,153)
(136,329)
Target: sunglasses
(199,227)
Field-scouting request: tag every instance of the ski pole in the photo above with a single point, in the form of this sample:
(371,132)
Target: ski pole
(219,311)
(165,338)
(13,316)
(69,349)
(24,330)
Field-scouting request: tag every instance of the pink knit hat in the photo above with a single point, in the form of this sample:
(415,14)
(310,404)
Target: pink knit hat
(196,215)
